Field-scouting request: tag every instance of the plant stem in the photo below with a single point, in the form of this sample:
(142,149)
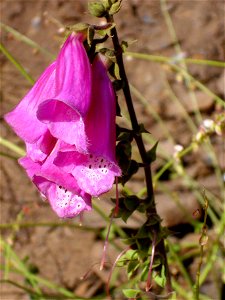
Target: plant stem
(141,147)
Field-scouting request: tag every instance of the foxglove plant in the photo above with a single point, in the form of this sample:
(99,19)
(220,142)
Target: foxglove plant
(67,121)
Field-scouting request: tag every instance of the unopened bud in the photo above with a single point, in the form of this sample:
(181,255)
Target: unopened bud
(115,7)
(97,9)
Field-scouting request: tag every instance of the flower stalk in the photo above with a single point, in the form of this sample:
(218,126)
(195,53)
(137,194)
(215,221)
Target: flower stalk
(151,210)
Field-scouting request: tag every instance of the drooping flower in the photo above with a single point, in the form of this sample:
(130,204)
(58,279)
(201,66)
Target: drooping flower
(95,171)
(67,121)
(59,187)
(59,100)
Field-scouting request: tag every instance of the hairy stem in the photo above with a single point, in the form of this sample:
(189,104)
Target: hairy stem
(160,247)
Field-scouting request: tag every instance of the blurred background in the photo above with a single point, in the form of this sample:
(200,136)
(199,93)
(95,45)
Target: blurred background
(171,103)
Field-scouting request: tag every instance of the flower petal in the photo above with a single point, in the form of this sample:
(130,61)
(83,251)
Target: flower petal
(64,123)
(73,75)
(65,203)
(23,118)
(94,174)
(39,150)
(100,121)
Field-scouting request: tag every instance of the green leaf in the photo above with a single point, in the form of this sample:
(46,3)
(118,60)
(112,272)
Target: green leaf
(133,167)
(160,279)
(142,129)
(143,232)
(131,254)
(132,267)
(125,214)
(130,293)
(144,273)
(123,154)
(131,202)
(151,154)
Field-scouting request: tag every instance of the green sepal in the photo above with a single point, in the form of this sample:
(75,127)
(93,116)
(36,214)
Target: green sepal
(79,27)
(109,53)
(115,7)
(90,35)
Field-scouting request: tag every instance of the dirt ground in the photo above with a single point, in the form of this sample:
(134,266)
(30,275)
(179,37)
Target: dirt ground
(65,254)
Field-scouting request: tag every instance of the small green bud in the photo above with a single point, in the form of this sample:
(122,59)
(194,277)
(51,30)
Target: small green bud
(107,4)
(115,7)
(97,9)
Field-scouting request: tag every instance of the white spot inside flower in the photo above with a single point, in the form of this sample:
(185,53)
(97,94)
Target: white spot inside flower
(66,199)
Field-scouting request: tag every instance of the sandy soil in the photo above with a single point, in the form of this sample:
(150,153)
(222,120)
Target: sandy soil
(65,254)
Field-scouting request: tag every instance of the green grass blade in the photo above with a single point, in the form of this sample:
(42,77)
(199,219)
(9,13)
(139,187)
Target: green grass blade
(16,64)
(12,146)
(20,37)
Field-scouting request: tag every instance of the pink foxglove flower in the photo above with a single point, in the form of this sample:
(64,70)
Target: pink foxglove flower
(95,171)
(67,121)
(59,100)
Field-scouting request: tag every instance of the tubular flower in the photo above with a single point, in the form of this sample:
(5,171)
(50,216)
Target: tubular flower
(67,121)
(95,171)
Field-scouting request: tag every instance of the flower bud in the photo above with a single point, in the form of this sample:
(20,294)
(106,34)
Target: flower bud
(97,9)
(115,7)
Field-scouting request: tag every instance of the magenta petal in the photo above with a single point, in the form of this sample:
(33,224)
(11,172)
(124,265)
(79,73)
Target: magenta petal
(39,150)
(63,202)
(23,118)
(64,123)
(100,121)
(73,75)
(30,166)
(94,174)
(66,204)
(51,172)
